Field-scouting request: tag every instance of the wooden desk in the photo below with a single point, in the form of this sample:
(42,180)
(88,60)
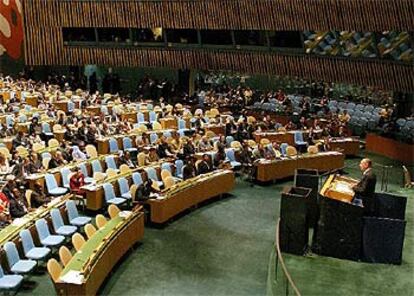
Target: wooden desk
(129,116)
(100,253)
(283,168)
(216,129)
(62,105)
(32,100)
(390,148)
(280,137)
(8,142)
(169,123)
(348,146)
(184,195)
(11,232)
(339,188)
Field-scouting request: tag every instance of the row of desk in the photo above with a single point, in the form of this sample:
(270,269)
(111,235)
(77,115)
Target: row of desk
(88,268)
(189,193)
(270,170)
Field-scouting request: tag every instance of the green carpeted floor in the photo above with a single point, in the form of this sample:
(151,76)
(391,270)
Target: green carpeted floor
(223,248)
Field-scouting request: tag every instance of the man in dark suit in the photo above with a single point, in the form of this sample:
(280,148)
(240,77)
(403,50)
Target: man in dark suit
(365,189)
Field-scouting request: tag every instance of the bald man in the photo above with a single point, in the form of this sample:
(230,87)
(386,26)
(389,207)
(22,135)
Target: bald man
(365,188)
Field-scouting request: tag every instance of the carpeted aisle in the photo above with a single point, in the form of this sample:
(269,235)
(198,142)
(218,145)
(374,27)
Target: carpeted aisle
(223,248)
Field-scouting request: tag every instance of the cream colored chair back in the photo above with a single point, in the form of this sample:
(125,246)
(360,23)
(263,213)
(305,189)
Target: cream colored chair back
(111,173)
(78,241)
(53,143)
(90,230)
(5,152)
(113,211)
(98,176)
(100,220)
(133,190)
(251,119)
(45,163)
(251,143)
(313,149)
(141,159)
(264,141)
(54,269)
(168,182)
(28,195)
(210,134)
(156,126)
(281,129)
(165,174)
(57,128)
(214,112)
(291,151)
(23,152)
(143,128)
(91,151)
(124,169)
(236,145)
(65,255)
(37,147)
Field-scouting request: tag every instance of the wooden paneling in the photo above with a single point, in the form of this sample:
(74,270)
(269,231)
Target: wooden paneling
(359,15)
(390,148)
(44,20)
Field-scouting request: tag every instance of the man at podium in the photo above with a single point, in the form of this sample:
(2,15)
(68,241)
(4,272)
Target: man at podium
(365,188)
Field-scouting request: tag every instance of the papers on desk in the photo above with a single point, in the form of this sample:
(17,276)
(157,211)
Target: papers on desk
(156,196)
(125,214)
(73,277)
(33,176)
(19,221)
(90,187)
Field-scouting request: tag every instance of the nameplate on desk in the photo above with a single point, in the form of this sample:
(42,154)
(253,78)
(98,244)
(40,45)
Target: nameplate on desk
(73,277)
(19,221)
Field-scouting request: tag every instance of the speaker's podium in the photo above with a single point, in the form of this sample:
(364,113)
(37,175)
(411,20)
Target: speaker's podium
(339,230)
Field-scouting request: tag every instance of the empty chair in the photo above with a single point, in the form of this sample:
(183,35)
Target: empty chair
(110,163)
(153,138)
(90,230)
(100,220)
(181,124)
(229,139)
(59,226)
(141,118)
(156,126)
(166,166)
(46,130)
(283,147)
(96,166)
(165,174)
(113,145)
(91,151)
(73,215)
(9,281)
(231,157)
(47,239)
(137,178)
(64,255)
(127,143)
(291,151)
(52,186)
(152,174)
(113,211)
(124,169)
(179,164)
(17,265)
(54,269)
(169,182)
(46,155)
(299,139)
(84,170)
(110,197)
(167,134)
(29,248)
(152,116)
(65,173)
(124,188)
(78,241)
